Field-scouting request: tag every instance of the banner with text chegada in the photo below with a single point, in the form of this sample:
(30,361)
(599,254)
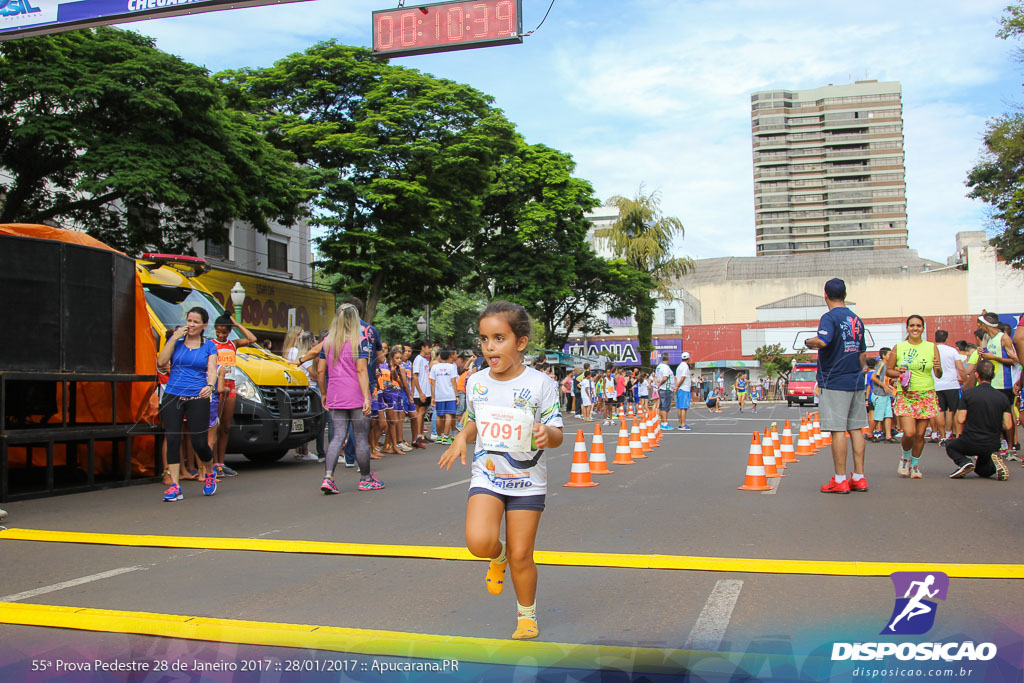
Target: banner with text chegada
(21,18)
(626,352)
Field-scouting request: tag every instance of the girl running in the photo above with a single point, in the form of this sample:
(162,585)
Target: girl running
(394,399)
(514,417)
(913,361)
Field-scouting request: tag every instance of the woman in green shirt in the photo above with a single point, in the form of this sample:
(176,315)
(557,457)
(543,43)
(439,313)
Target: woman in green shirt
(913,361)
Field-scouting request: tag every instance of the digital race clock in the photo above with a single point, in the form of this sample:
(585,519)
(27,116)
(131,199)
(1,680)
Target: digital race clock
(445,26)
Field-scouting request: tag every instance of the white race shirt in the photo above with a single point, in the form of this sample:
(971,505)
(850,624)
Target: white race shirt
(683,373)
(535,395)
(421,367)
(948,356)
(443,374)
(663,371)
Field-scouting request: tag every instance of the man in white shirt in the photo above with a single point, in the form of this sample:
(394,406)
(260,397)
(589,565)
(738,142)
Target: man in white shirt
(442,379)
(947,388)
(663,380)
(683,390)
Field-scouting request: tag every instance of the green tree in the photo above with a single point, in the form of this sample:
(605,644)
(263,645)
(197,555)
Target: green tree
(403,161)
(534,249)
(643,238)
(776,362)
(101,131)
(998,179)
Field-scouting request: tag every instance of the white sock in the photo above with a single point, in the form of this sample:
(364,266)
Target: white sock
(840,478)
(857,477)
(526,612)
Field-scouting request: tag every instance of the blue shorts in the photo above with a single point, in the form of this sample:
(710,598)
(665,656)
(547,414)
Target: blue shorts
(445,408)
(683,399)
(407,405)
(392,400)
(883,406)
(512,502)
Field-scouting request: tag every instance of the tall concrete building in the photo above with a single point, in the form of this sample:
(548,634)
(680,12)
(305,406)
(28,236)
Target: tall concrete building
(828,169)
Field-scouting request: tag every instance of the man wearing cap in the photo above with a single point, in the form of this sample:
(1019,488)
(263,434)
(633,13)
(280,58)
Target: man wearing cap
(841,355)
(683,390)
(998,348)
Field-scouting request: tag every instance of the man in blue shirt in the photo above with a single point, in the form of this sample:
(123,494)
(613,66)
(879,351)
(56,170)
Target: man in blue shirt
(841,354)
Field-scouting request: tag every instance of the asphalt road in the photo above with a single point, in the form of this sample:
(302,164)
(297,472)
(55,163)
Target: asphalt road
(680,501)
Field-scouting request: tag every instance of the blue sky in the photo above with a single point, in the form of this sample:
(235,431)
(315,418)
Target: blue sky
(658,93)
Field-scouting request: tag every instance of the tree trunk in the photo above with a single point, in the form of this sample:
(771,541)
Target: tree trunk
(644,324)
(374,296)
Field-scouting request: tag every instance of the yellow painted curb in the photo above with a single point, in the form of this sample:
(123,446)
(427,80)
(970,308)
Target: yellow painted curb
(362,641)
(547,557)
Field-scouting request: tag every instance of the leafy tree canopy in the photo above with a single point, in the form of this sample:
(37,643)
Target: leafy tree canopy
(998,179)
(403,161)
(776,361)
(101,131)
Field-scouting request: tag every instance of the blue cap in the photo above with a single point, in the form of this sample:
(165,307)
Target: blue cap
(835,289)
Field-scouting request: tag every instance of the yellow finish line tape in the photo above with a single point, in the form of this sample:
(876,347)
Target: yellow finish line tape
(547,557)
(362,641)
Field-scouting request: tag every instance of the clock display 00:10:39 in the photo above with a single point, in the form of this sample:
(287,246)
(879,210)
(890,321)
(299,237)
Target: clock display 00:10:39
(446,26)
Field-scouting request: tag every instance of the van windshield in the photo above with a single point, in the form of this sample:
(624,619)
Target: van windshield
(170,304)
(803,376)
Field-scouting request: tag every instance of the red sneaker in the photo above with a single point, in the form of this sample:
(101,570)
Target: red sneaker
(833,487)
(861,485)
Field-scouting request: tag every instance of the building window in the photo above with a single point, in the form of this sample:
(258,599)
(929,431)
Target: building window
(670,317)
(215,249)
(277,255)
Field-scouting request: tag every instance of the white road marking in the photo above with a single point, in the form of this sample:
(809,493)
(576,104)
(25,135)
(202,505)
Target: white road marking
(69,584)
(454,483)
(708,632)
(774,482)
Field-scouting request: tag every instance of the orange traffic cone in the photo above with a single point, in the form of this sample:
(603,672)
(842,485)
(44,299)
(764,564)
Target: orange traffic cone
(777,444)
(657,429)
(788,455)
(598,461)
(826,438)
(579,473)
(645,439)
(755,479)
(768,456)
(622,450)
(636,451)
(803,446)
(816,434)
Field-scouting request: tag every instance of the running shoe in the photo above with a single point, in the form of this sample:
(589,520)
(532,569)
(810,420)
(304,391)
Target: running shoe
(173,493)
(1002,471)
(904,467)
(225,471)
(915,472)
(210,484)
(432,437)
(329,487)
(892,439)
(833,487)
(371,484)
(418,444)
(309,457)
(943,442)
(1010,456)
(859,486)
(404,448)
(962,471)
(877,437)
(349,464)
(686,428)
(667,428)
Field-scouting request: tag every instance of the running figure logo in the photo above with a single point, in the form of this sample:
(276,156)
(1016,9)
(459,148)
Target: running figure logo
(914,613)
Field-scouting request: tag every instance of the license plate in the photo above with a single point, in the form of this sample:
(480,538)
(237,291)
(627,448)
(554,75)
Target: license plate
(297,426)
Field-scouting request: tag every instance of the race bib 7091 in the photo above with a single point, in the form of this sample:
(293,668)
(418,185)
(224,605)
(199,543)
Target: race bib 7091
(504,429)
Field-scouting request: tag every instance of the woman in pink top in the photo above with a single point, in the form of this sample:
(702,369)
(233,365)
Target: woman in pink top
(348,395)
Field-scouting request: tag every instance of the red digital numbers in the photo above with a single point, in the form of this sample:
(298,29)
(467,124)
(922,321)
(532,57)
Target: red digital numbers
(446,26)
(501,430)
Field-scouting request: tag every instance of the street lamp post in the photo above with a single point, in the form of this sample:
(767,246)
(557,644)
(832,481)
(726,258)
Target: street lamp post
(238,298)
(423,324)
